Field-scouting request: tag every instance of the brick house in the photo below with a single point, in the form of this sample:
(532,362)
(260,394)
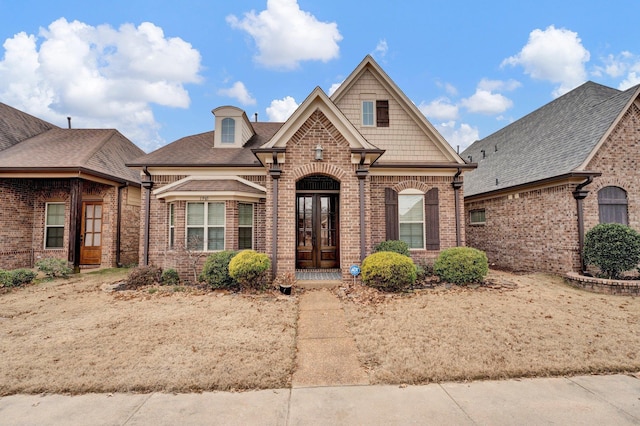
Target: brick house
(546,179)
(66,193)
(317,192)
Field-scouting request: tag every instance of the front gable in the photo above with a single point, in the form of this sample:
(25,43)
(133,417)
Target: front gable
(317,105)
(393,123)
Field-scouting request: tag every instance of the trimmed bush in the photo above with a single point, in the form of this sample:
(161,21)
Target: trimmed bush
(215,271)
(461,265)
(16,277)
(54,268)
(143,276)
(248,268)
(613,248)
(395,246)
(388,271)
(170,277)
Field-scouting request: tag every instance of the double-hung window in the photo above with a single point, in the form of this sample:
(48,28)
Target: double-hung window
(205,226)
(411,219)
(477,217)
(368,115)
(54,226)
(245,226)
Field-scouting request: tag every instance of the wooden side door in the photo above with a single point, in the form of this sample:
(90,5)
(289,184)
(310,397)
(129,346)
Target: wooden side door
(91,235)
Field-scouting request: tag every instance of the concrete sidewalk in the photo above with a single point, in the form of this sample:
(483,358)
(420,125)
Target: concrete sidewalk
(584,400)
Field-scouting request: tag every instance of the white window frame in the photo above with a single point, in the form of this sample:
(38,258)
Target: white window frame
(413,193)
(227,136)
(252,226)
(474,221)
(373,113)
(47,226)
(172,226)
(205,226)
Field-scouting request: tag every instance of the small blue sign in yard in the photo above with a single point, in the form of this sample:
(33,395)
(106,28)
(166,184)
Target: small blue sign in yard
(355,270)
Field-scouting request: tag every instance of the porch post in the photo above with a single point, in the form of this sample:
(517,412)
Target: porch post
(275,173)
(362,175)
(457,184)
(75,223)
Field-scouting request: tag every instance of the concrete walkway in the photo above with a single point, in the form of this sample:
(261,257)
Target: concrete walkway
(585,400)
(326,352)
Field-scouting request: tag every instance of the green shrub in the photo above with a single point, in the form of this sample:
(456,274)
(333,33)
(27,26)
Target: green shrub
(395,246)
(170,277)
(613,248)
(143,276)
(54,268)
(215,271)
(249,268)
(461,265)
(16,277)
(389,271)
(424,270)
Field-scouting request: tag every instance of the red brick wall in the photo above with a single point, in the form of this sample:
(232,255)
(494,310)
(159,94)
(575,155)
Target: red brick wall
(16,223)
(617,160)
(537,231)
(130,227)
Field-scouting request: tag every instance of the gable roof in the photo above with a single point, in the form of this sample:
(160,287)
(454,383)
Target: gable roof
(553,141)
(16,126)
(198,151)
(101,152)
(369,64)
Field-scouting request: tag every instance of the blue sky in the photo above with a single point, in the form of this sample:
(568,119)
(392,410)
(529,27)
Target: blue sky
(155,69)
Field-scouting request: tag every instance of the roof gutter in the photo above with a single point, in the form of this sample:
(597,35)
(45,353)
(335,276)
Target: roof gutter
(147,184)
(580,194)
(545,181)
(79,170)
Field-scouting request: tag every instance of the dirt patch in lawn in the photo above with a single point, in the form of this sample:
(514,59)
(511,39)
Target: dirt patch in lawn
(519,326)
(76,336)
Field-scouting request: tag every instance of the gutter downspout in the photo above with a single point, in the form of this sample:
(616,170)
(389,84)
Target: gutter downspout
(457,184)
(275,173)
(580,194)
(119,224)
(147,184)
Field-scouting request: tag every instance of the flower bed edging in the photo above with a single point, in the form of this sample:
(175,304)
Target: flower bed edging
(602,285)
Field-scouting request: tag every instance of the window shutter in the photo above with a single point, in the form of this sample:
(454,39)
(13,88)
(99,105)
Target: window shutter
(433,219)
(382,113)
(391,214)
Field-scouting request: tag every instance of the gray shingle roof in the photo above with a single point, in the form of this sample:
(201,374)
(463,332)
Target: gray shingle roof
(198,150)
(102,151)
(16,126)
(551,141)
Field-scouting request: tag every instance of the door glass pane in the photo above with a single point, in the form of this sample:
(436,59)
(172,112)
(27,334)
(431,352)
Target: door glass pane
(88,226)
(96,240)
(88,240)
(89,211)
(97,225)
(98,211)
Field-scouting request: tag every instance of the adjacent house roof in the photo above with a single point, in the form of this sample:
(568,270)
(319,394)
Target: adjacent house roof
(553,141)
(197,150)
(16,126)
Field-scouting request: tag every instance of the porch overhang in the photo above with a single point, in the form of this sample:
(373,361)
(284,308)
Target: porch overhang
(212,188)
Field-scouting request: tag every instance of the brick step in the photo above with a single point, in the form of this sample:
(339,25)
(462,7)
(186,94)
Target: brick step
(312,284)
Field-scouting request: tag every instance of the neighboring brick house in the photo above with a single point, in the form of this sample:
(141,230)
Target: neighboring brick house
(546,179)
(66,193)
(319,191)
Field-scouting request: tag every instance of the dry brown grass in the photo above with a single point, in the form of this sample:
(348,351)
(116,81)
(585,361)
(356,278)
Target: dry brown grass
(539,327)
(72,336)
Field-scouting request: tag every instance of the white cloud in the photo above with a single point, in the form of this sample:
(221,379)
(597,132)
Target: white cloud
(486,102)
(238,91)
(281,109)
(458,136)
(381,49)
(632,79)
(100,76)
(555,55)
(334,87)
(439,109)
(493,85)
(286,35)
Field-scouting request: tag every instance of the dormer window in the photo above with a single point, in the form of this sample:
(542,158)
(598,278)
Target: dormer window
(228,131)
